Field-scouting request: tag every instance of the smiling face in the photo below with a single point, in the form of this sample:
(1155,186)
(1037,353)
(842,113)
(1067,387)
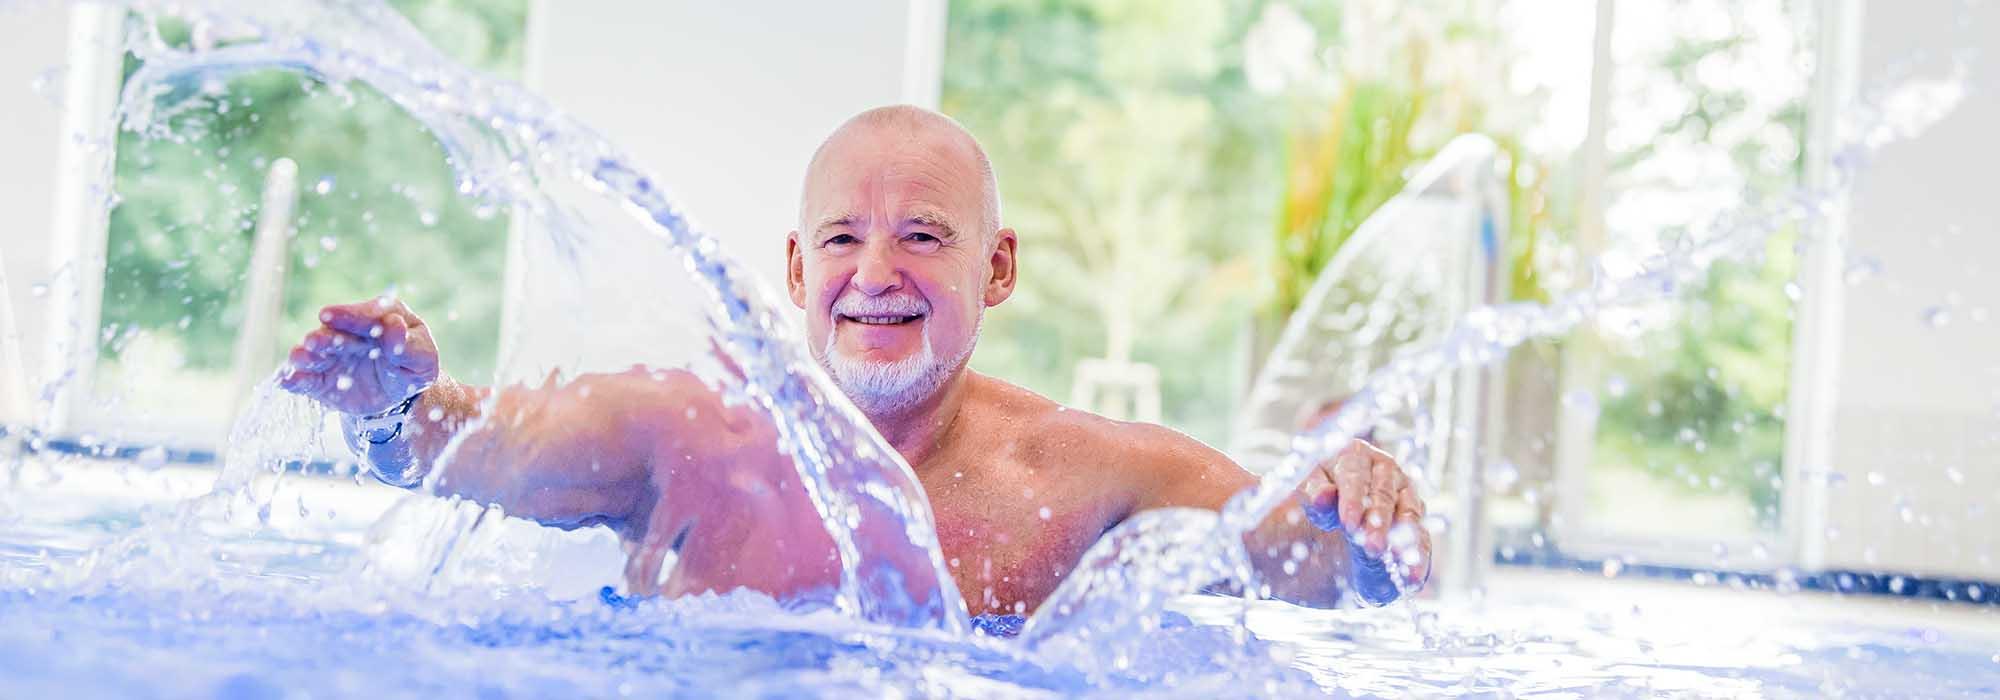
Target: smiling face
(897,256)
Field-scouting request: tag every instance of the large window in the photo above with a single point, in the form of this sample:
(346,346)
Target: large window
(377,210)
(1707,114)
(1181,172)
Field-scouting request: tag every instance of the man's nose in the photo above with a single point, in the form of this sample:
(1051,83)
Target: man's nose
(878,272)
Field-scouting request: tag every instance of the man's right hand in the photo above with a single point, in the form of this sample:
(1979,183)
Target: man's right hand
(364,359)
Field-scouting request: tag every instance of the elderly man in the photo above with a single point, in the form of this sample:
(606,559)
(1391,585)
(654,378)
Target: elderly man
(898,254)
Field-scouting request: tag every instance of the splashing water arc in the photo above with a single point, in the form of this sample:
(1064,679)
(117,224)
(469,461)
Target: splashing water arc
(502,140)
(1480,337)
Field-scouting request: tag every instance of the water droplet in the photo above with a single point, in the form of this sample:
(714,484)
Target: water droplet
(1501,475)
(427,217)
(324,186)
(1613,567)
(1403,537)
(1793,291)
(1937,316)
(1787,579)
(1956,476)
(1044,513)
(328,243)
(1876,478)
(38,290)
(1860,270)
(1616,386)
(153,458)
(343,383)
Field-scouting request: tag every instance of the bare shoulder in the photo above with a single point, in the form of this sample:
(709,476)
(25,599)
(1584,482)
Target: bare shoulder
(1159,463)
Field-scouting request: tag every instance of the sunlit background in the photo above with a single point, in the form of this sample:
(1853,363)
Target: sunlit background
(1180,174)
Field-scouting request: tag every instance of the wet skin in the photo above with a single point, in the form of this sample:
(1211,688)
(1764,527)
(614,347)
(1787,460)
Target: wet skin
(892,219)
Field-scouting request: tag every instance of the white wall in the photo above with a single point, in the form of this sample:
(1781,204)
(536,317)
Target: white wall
(59,78)
(724,102)
(32,41)
(1919,404)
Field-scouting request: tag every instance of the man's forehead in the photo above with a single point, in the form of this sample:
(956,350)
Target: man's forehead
(896,162)
(897,184)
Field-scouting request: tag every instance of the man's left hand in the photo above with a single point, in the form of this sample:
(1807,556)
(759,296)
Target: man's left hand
(1364,493)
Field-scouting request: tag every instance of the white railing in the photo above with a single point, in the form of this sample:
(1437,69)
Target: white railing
(1424,258)
(256,340)
(13,371)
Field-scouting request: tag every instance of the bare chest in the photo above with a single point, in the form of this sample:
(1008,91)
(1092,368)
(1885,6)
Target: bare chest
(1010,532)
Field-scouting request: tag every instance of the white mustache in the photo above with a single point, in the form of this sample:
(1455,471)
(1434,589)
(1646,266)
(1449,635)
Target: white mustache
(861,305)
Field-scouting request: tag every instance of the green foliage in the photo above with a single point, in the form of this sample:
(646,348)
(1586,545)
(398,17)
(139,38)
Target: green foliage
(378,210)
(1130,155)
(1707,384)
(1704,408)
(1399,86)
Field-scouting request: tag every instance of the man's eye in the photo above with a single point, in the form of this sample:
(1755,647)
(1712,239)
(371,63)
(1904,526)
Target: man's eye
(842,239)
(922,238)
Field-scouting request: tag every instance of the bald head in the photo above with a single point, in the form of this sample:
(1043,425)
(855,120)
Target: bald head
(911,126)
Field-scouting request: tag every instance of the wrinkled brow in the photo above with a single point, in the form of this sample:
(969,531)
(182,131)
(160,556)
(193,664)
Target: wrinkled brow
(832,220)
(922,218)
(934,220)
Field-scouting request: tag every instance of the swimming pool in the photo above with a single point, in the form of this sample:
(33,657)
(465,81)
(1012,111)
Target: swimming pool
(310,606)
(140,579)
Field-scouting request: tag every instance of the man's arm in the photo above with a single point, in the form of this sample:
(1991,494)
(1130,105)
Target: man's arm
(1302,549)
(565,454)
(658,455)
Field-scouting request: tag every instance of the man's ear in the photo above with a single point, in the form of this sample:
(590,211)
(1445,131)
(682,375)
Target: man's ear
(795,270)
(1006,267)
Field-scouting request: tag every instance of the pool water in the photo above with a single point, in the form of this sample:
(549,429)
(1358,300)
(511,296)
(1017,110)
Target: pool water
(309,606)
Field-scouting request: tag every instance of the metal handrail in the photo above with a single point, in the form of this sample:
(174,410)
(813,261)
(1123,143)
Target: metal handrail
(1424,258)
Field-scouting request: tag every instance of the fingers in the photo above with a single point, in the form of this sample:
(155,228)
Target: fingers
(1408,539)
(362,317)
(335,344)
(396,347)
(302,359)
(301,381)
(1411,544)
(1408,503)
(1377,505)
(1377,509)
(1320,500)
(1350,478)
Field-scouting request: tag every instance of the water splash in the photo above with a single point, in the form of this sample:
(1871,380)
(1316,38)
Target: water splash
(278,433)
(505,143)
(1134,585)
